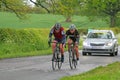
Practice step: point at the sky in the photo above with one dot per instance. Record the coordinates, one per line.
(28, 1)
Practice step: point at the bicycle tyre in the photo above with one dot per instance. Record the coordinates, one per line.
(71, 58)
(74, 60)
(54, 61)
(59, 59)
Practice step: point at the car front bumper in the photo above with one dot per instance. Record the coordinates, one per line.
(98, 49)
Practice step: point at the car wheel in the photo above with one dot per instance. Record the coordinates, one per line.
(112, 54)
(89, 53)
(84, 53)
(116, 53)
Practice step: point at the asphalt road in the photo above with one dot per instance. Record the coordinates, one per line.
(39, 68)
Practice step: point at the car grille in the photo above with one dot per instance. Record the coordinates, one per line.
(93, 44)
(98, 50)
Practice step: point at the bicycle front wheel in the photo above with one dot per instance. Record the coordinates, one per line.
(54, 61)
(71, 59)
(74, 60)
(59, 60)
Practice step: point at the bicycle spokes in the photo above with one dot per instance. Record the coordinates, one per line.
(57, 60)
(72, 59)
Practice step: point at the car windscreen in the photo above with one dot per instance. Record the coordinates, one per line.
(102, 35)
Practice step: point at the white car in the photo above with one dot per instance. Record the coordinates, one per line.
(100, 41)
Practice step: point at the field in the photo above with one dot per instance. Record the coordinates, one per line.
(9, 20)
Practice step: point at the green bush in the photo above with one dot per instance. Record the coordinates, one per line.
(116, 30)
(22, 40)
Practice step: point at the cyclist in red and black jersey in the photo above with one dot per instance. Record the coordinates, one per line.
(59, 35)
(74, 32)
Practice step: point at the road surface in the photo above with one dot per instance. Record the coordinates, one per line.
(39, 67)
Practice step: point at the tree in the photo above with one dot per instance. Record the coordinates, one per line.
(67, 8)
(49, 5)
(16, 6)
(64, 7)
(108, 7)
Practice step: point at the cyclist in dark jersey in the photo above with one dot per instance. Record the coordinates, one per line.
(74, 36)
(59, 36)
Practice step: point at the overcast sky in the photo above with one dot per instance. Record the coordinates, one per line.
(30, 2)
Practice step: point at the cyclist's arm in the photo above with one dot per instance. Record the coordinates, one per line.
(77, 36)
(62, 31)
(64, 37)
(51, 33)
(66, 34)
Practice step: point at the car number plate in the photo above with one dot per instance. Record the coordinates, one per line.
(96, 47)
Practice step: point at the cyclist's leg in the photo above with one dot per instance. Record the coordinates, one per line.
(62, 50)
(77, 52)
(69, 42)
(53, 45)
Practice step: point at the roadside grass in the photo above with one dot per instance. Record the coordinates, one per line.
(26, 54)
(23, 42)
(9, 20)
(109, 72)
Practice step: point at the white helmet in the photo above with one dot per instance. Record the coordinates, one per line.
(57, 26)
(72, 26)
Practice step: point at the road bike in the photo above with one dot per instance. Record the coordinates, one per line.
(72, 56)
(56, 59)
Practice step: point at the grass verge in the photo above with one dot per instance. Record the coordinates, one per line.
(109, 72)
(26, 54)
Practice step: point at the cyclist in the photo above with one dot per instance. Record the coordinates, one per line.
(59, 36)
(74, 38)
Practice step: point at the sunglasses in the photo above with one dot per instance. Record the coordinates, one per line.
(71, 29)
(56, 29)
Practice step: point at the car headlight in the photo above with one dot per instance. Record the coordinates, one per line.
(85, 44)
(109, 44)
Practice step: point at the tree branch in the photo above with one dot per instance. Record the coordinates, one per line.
(40, 4)
(17, 14)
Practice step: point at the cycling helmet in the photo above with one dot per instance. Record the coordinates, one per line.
(57, 26)
(72, 26)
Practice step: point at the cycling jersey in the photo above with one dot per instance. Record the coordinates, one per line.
(59, 36)
(75, 35)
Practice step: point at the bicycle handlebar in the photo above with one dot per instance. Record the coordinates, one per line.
(54, 42)
(73, 35)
